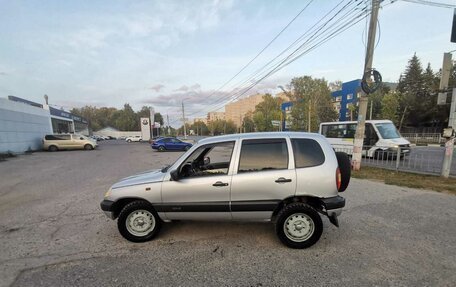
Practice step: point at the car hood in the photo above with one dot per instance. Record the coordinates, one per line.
(142, 178)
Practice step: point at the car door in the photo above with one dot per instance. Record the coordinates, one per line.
(202, 193)
(264, 176)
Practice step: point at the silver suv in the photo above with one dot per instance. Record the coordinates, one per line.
(288, 178)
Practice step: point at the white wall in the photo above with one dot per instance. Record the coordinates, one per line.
(22, 127)
(116, 134)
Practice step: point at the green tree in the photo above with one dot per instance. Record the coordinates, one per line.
(248, 123)
(200, 128)
(266, 112)
(375, 100)
(312, 103)
(390, 105)
(219, 127)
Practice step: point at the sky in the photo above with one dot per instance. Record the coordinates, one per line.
(160, 53)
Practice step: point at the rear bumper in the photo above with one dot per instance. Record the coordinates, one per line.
(336, 202)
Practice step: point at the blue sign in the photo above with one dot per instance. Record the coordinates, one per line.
(64, 114)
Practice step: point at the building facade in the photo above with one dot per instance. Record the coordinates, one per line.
(23, 124)
(238, 110)
(214, 116)
(345, 100)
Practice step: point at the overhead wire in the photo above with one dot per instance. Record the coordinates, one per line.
(341, 24)
(246, 83)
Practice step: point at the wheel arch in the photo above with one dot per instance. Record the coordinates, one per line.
(315, 202)
(122, 202)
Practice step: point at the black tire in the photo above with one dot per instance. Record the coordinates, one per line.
(140, 140)
(186, 148)
(345, 170)
(128, 141)
(88, 147)
(53, 148)
(131, 208)
(161, 148)
(312, 215)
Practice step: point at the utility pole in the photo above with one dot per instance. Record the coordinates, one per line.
(183, 119)
(443, 88)
(359, 136)
(167, 119)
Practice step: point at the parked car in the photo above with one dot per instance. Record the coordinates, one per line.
(133, 139)
(287, 178)
(68, 141)
(121, 137)
(152, 140)
(170, 144)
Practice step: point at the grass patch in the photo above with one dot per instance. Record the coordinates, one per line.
(432, 182)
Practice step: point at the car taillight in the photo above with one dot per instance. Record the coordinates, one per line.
(338, 178)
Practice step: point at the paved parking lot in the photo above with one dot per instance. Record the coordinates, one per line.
(52, 233)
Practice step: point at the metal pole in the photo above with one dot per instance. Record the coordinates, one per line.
(370, 114)
(308, 124)
(359, 136)
(183, 119)
(167, 119)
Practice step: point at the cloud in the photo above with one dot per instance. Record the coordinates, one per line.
(183, 88)
(157, 88)
(3, 74)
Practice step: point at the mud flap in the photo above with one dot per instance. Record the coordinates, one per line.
(333, 219)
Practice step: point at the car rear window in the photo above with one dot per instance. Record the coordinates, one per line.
(264, 154)
(307, 153)
(57, 137)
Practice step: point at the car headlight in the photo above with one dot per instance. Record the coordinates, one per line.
(108, 193)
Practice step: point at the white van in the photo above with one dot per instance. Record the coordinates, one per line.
(379, 136)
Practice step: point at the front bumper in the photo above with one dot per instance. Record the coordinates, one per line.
(108, 208)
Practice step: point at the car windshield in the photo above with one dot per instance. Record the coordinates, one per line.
(165, 169)
(388, 131)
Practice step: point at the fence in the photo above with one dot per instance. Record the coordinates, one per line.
(425, 160)
(424, 138)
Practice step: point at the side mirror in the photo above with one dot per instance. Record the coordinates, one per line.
(174, 175)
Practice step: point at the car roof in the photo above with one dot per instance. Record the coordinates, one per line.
(354, 122)
(259, 135)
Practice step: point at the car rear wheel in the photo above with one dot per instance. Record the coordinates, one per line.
(88, 147)
(129, 141)
(186, 148)
(138, 222)
(53, 148)
(299, 225)
(161, 148)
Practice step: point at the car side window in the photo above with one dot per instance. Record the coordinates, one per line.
(307, 153)
(263, 154)
(208, 160)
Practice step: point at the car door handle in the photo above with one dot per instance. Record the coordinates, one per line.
(219, 183)
(283, 180)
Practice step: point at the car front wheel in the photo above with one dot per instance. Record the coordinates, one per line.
(161, 148)
(88, 147)
(138, 222)
(299, 225)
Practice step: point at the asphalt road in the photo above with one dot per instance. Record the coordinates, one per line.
(52, 233)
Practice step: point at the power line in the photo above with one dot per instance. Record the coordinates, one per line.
(262, 50)
(239, 88)
(431, 3)
(316, 39)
